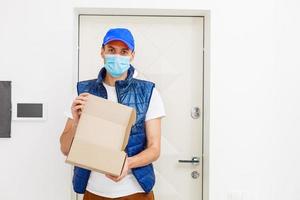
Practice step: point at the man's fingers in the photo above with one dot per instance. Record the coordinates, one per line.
(84, 94)
(114, 178)
(77, 107)
(111, 176)
(81, 98)
(76, 102)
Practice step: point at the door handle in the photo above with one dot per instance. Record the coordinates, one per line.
(194, 160)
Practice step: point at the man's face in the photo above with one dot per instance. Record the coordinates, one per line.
(117, 48)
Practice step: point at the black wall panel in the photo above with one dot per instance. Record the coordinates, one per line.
(5, 109)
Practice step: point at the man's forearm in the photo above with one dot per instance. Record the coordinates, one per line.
(67, 138)
(145, 157)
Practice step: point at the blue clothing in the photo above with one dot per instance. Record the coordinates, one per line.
(134, 93)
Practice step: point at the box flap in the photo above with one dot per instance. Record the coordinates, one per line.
(100, 132)
(96, 158)
(111, 119)
(109, 110)
(131, 121)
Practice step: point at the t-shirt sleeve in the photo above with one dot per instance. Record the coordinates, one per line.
(68, 112)
(156, 107)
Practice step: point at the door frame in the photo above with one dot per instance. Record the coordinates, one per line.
(206, 66)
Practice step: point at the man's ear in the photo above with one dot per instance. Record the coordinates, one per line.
(102, 53)
(132, 56)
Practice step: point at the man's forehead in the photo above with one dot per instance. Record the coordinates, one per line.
(117, 43)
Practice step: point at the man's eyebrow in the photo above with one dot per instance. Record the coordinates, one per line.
(108, 46)
(125, 48)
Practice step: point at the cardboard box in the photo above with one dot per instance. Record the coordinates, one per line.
(101, 137)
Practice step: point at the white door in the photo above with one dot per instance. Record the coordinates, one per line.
(169, 52)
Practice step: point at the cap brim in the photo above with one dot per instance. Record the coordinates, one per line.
(114, 39)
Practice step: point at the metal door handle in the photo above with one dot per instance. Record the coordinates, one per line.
(195, 160)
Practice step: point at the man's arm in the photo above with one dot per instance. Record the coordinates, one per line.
(152, 152)
(149, 155)
(67, 136)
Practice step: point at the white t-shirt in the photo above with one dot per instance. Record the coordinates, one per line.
(98, 183)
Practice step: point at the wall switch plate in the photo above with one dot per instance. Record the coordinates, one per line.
(29, 110)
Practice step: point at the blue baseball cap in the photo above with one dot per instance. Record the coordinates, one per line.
(121, 34)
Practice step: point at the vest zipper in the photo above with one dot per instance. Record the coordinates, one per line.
(117, 91)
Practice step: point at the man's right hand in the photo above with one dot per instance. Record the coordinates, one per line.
(78, 105)
(67, 136)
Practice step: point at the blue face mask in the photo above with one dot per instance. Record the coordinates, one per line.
(116, 65)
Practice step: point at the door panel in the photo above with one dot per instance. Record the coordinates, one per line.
(169, 53)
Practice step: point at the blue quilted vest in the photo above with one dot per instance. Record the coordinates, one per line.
(134, 93)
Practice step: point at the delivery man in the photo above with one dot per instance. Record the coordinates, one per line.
(117, 81)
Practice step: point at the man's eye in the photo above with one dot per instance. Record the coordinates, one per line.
(124, 52)
(110, 50)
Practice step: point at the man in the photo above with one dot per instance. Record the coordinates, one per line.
(117, 81)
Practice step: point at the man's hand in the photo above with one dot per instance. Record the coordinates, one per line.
(124, 172)
(78, 105)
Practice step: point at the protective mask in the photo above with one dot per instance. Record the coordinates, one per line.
(116, 65)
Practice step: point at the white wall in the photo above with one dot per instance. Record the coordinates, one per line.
(254, 95)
